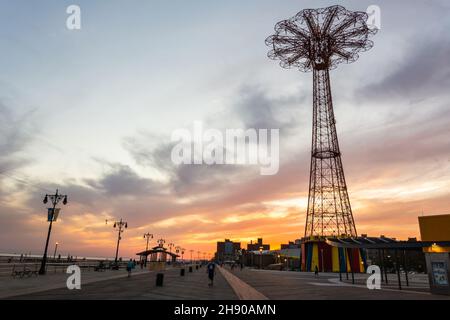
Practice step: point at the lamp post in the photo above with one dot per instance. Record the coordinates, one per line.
(170, 245)
(55, 199)
(120, 225)
(260, 257)
(54, 253)
(192, 251)
(161, 245)
(147, 236)
(177, 250)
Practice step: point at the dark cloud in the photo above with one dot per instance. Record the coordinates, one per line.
(424, 73)
(14, 138)
(259, 111)
(253, 109)
(121, 180)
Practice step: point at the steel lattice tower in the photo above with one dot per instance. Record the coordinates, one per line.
(318, 40)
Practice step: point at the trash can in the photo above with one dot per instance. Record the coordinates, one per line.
(190, 269)
(159, 279)
(182, 272)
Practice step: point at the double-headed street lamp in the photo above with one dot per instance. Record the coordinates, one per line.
(147, 236)
(170, 245)
(55, 199)
(120, 225)
(161, 242)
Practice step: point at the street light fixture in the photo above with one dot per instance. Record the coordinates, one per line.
(55, 199)
(191, 251)
(260, 256)
(56, 247)
(120, 225)
(161, 242)
(147, 236)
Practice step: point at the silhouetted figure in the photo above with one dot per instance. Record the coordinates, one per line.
(316, 271)
(211, 270)
(130, 266)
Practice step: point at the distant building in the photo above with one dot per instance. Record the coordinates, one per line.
(257, 245)
(292, 245)
(227, 250)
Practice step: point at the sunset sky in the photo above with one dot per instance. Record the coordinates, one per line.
(91, 112)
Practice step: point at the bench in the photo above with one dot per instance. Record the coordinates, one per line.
(100, 268)
(24, 272)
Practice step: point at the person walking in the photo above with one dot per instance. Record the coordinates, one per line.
(316, 271)
(211, 270)
(130, 266)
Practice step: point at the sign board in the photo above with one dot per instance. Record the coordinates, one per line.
(439, 273)
(52, 215)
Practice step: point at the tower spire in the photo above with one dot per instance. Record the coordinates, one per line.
(318, 40)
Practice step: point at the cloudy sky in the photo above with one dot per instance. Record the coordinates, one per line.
(91, 112)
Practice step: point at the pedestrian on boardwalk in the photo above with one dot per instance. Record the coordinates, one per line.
(316, 271)
(211, 270)
(130, 266)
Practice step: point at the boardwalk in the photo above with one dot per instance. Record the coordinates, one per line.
(247, 284)
(193, 286)
(280, 285)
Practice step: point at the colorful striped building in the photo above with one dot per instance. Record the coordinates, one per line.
(327, 258)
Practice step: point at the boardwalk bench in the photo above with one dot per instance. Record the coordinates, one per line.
(100, 267)
(24, 272)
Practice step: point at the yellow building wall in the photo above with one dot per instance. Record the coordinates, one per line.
(435, 228)
(315, 257)
(335, 258)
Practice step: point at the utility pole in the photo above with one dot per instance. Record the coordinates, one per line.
(55, 199)
(120, 225)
